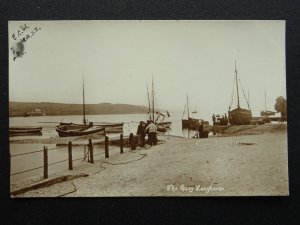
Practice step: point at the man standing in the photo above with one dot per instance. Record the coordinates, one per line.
(151, 128)
(141, 133)
(200, 129)
(213, 119)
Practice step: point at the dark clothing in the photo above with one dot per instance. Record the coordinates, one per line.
(214, 119)
(200, 130)
(142, 134)
(152, 138)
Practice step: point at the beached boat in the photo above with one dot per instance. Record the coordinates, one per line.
(156, 116)
(25, 130)
(189, 122)
(239, 116)
(266, 113)
(71, 129)
(112, 127)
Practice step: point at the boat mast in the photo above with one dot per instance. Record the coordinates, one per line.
(187, 105)
(152, 100)
(237, 86)
(149, 104)
(84, 120)
(265, 101)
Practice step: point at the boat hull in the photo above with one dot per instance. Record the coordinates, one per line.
(239, 116)
(190, 123)
(25, 130)
(78, 130)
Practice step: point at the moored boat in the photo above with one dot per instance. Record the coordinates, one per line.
(25, 130)
(189, 122)
(239, 116)
(71, 129)
(79, 130)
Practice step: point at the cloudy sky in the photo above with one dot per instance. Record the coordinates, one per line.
(119, 58)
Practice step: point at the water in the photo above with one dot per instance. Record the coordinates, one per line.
(29, 161)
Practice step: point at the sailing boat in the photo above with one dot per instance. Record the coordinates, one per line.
(157, 117)
(189, 122)
(195, 111)
(71, 129)
(239, 116)
(266, 112)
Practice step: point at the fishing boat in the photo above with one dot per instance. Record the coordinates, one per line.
(156, 116)
(72, 129)
(112, 127)
(189, 122)
(239, 116)
(25, 130)
(266, 113)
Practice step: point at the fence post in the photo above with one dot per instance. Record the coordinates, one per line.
(131, 140)
(121, 143)
(106, 147)
(91, 150)
(45, 162)
(70, 156)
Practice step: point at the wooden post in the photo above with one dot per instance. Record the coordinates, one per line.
(70, 156)
(45, 162)
(106, 147)
(121, 143)
(131, 140)
(91, 150)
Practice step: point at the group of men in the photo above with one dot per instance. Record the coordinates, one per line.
(147, 128)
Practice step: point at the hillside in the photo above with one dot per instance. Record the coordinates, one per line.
(52, 109)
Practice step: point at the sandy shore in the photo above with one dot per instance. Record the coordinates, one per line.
(244, 161)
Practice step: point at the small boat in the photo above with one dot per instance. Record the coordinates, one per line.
(112, 127)
(71, 129)
(25, 130)
(189, 122)
(266, 113)
(159, 120)
(239, 116)
(79, 130)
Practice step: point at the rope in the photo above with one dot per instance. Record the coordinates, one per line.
(26, 153)
(27, 170)
(75, 189)
(58, 162)
(244, 94)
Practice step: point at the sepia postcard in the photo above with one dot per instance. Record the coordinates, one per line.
(147, 108)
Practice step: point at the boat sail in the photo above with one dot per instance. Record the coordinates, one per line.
(189, 122)
(71, 129)
(156, 116)
(239, 116)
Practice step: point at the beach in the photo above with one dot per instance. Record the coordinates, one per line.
(250, 160)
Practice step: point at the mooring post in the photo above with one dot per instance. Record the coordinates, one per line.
(70, 155)
(121, 143)
(91, 151)
(106, 147)
(45, 162)
(131, 140)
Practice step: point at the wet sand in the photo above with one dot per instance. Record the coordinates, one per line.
(244, 161)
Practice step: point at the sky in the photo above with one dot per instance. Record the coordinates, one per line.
(119, 58)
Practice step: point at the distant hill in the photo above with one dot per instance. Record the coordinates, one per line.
(53, 109)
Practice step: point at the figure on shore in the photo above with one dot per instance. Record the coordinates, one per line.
(200, 129)
(214, 119)
(141, 133)
(226, 119)
(151, 130)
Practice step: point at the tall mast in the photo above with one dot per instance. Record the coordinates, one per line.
(265, 101)
(187, 105)
(84, 120)
(152, 100)
(149, 104)
(237, 86)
